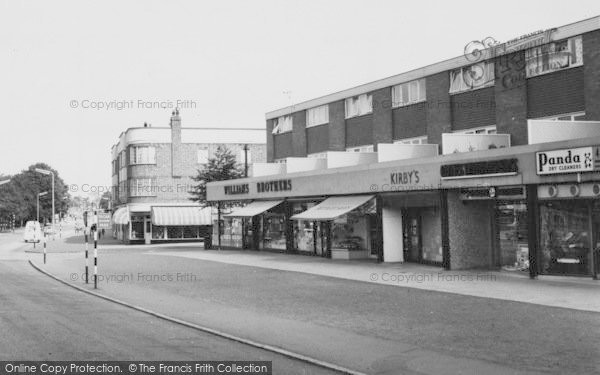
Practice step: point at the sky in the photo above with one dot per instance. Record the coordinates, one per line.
(75, 74)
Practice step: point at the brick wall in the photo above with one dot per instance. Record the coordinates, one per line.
(469, 233)
(591, 72)
(555, 93)
(317, 138)
(473, 108)
(439, 117)
(511, 97)
(359, 131)
(270, 141)
(283, 145)
(337, 126)
(382, 116)
(410, 121)
(299, 133)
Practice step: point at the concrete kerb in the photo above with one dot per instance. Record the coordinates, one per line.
(273, 349)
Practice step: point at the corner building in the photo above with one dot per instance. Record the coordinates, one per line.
(484, 161)
(152, 176)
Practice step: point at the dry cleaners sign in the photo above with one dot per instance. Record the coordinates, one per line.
(572, 160)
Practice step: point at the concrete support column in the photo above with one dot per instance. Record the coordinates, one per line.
(393, 236)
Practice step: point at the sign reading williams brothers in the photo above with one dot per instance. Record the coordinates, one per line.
(261, 187)
(572, 160)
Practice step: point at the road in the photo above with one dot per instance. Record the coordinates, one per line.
(41, 319)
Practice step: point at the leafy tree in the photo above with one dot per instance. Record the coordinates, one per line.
(19, 196)
(222, 166)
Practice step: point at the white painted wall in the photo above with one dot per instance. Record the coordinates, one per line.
(266, 169)
(294, 164)
(397, 151)
(541, 131)
(453, 142)
(338, 159)
(393, 241)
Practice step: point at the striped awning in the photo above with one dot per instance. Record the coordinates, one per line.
(254, 208)
(121, 216)
(181, 215)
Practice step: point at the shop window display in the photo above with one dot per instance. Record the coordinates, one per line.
(352, 231)
(274, 230)
(304, 239)
(565, 238)
(232, 232)
(513, 248)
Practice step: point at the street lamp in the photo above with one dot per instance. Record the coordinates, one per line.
(47, 172)
(38, 204)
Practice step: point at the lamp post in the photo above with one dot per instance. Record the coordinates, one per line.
(47, 172)
(38, 204)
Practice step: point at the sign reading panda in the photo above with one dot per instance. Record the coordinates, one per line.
(572, 160)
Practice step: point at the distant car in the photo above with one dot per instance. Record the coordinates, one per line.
(48, 230)
(33, 231)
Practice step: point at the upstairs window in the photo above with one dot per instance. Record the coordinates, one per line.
(554, 56)
(422, 140)
(282, 124)
(472, 77)
(366, 148)
(142, 155)
(408, 93)
(317, 116)
(491, 129)
(359, 105)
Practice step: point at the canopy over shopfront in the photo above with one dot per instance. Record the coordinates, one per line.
(254, 208)
(333, 207)
(181, 215)
(121, 216)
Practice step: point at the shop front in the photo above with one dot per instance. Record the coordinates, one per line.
(259, 225)
(339, 228)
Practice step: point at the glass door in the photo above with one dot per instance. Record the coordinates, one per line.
(412, 237)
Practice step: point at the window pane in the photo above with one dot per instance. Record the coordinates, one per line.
(405, 93)
(414, 91)
(422, 90)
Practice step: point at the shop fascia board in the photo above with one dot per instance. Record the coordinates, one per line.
(526, 175)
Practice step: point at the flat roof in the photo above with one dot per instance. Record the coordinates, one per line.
(566, 31)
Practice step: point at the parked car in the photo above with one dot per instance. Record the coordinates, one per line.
(33, 231)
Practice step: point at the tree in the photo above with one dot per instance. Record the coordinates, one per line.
(19, 196)
(222, 166)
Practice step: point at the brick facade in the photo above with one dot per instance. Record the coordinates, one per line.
(591, 72)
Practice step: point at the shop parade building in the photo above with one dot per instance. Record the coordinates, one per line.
(485, 161)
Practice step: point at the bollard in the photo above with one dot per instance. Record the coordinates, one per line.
(95, 260)
(44, 248)
(86, 259)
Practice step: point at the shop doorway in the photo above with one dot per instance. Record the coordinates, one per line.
(321, 238)
(413, 247)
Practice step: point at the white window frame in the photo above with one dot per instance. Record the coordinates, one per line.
(317, 116)
(280, 161)
(416, 91)
(490, 129)
(562, 117)
(573, 55)
(283, 124)
(459, 77)
(422, 140)
(358, 105)
(364, 148)
(203, 156)
(317, 155)
(145, 154)
(142, 187)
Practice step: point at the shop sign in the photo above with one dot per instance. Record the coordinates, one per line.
(405, 178)
(271, 186)
(236, 189)
(572, 160)
(477, 169)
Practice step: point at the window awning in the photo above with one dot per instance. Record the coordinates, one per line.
(181, 215)
(121, 216)
(333, 207)
(253, 209)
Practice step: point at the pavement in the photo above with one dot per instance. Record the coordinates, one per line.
(407, 320)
